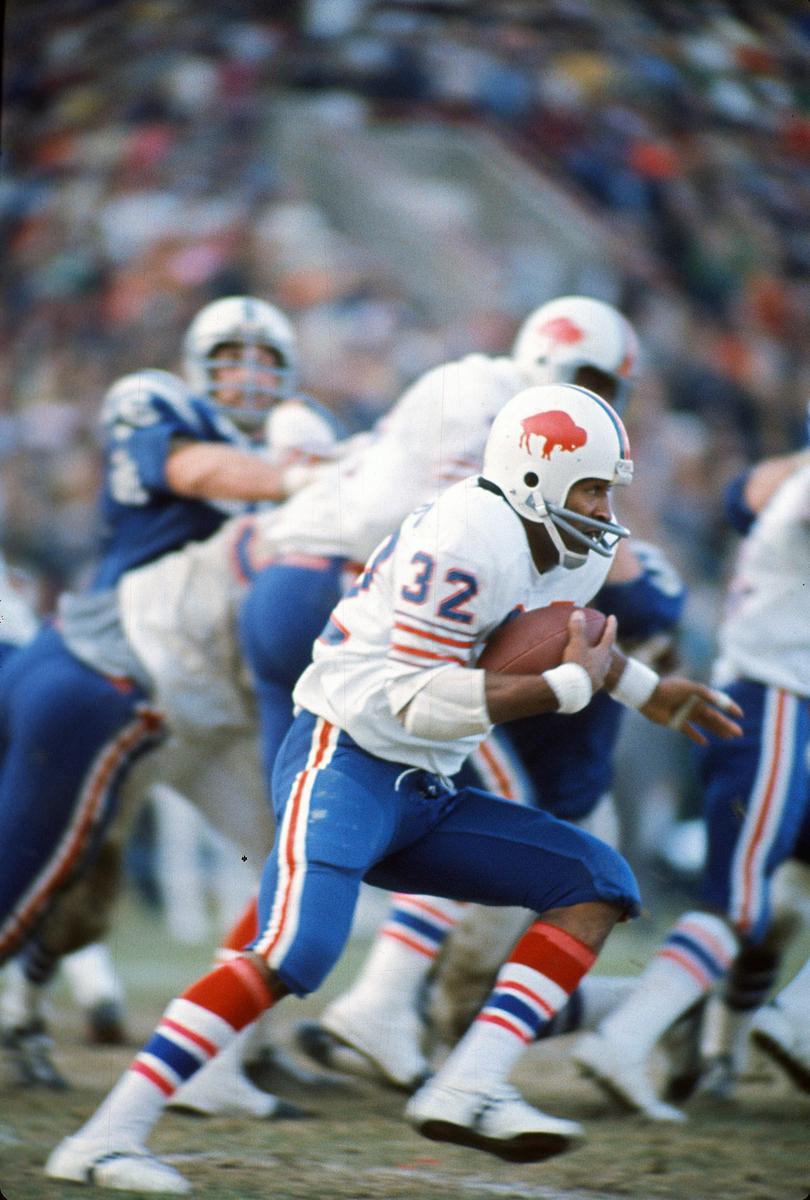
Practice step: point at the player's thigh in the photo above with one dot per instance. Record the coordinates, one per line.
(493, 852)
(337, 813)
(284, 612)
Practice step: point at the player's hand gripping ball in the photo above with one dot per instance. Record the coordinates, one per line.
(535, 641)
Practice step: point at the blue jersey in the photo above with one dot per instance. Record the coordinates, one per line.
(144, 415)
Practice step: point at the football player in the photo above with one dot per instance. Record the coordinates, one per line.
(389, 709)
(75, 709)
(732, 1013)
(757, 813)
(562, 764)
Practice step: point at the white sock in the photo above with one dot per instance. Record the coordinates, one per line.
(697, 954)
(186, 1037)
(126, 1117)
(91, 976)
(602, 995)
(404, 950)
(794, 999)
(22, 1001)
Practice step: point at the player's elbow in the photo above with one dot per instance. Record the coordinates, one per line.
(451, 705)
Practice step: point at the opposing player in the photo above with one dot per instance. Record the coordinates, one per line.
(75, 710)
(755, 801)
(389, 709)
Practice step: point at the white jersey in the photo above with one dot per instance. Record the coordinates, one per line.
(765, 633)
(179, 612)
(433, 437)
(429, 598)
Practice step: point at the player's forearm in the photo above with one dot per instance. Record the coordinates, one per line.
(211, 471)
(457, 702)
(509, 697)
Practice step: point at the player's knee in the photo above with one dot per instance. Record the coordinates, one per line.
(308, 963)
(270, 977)
(590, 923)
(613, 881)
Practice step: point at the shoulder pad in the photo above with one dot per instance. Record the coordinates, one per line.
(141, 398)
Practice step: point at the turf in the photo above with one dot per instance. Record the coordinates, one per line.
(359, 1147)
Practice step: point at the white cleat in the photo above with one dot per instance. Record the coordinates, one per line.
(212, 1093)
(783, 1040)
(76, 1160)
(387, 1040)
(623, 1076)
(499, 1122)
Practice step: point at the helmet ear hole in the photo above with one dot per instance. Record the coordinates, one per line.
(530, 479)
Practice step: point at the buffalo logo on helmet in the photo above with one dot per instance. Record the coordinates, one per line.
(556, 428)
(562, 331)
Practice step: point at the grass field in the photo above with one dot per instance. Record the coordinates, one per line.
(359, 1148)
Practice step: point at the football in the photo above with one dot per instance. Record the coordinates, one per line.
(534, 641)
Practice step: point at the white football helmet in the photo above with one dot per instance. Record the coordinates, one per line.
(572, 332)
(542, 442)
(244, 321)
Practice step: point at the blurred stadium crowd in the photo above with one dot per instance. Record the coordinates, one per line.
(139, 182)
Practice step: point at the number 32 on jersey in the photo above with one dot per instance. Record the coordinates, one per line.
(455, 592)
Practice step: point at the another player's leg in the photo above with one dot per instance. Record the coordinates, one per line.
(71, 735)
(782, 1029)
(99, 992)
(376, 1024)
(745, 846)
(694, 956)
(27, 1046)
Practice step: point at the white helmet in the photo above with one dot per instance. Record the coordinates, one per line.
(571, 332)
(542, 442)
(245, 321)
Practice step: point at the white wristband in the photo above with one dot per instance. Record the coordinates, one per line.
(572, 686)
(637, 683)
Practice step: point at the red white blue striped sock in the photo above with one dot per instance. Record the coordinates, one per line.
(696, 954)
(540, 974)
(193, 1029)
(421, 923)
